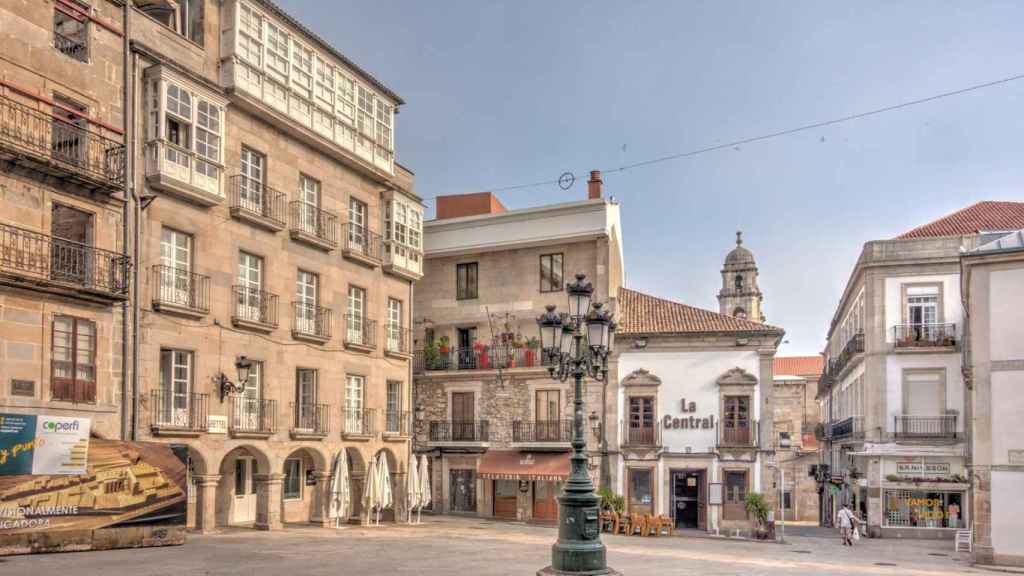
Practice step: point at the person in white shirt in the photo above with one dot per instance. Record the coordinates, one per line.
(847, 523)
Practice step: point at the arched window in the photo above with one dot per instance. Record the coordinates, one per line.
(738, 281)
(740, 313)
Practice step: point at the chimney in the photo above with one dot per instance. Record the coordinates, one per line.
(594, 185)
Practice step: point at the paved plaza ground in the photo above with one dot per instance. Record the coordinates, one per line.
(444, 545)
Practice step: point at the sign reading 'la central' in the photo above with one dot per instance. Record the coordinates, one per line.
(688, 421)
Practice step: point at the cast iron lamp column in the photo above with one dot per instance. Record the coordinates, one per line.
(579, 549)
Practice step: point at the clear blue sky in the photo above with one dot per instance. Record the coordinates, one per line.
(504, 93)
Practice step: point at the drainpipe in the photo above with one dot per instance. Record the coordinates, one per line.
(126, 102)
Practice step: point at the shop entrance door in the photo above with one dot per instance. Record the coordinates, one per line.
(545, 506)
(688, 500)
(462, 484)
(505, 499)
(244, 509)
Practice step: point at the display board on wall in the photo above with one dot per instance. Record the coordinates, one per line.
(41, 444)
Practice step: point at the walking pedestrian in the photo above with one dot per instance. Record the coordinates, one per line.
(847, 523)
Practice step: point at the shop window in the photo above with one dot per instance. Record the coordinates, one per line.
(292, 479)
(924, 509)
(641, 495)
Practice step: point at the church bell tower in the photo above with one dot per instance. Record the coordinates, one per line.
(740, 296)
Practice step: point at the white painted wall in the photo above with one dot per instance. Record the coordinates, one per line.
(895, 364)
(952, 311)
(1007, 512)
(1006, 318)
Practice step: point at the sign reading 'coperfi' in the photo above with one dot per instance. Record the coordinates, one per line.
(31, 444)
(688, 421)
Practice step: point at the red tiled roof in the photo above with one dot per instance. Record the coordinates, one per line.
(639, 313)
(988, 215)
(798, 365)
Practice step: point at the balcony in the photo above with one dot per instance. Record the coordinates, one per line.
(397, 425)
(36, 261)
(174, 414)
(925, 427)
(501, 356)
(359, 424)
(848, 428)
(254, 309)
(460, 434)
(360, 245)
(360, 333)
(853, 349)
(918, 336)
(309, 224)
(398, 341)
(256, 203)
(542, 434)
(51, 146)
(741, 435)
(252, 417)
(639, 436)
(311, 322)
(310, 421)
(403, 261)
(177, 291)
(180, 172)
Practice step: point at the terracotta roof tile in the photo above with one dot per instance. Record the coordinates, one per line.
(640, 313)
(798, 365)
(988, 215)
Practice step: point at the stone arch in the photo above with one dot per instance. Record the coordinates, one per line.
(304, 485)
(237, 498)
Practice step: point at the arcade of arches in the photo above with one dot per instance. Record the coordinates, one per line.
(248, 486)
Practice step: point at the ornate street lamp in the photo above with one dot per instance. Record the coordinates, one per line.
(578, 345)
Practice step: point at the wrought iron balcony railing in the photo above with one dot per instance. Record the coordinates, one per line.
(34, 258)
(480, 358)
(912, 427)
(72, 47)
(397, 423)
(359, 422)
(359, 242)
(637, 434)
(255, 306)
(59, 147)
(311, 419)
(538, 431)
(924, 335)
(459, 431)
(170, 410)
(310, 223)
(177, 288)
(360, 331)
(311, 320)
(255, 201)
(253, 416)
(742, 434)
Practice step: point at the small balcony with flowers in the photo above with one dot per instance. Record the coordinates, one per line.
(184, 146)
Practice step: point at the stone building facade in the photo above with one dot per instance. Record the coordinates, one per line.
(64, 273)
(994, 366)
(694, 403)
(495, 425)
(796, 445)
(893, 395)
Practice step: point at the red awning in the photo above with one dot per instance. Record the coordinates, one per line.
(513, 465)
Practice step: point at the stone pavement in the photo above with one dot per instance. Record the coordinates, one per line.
(446, 546)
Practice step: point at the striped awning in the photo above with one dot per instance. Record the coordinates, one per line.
(514, 465)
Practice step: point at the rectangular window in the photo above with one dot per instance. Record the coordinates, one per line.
(292, 479)
(735, 495)
(466, 280)
(551, 273)
(924, 509)
(641, 494)
(73, 360)
(71, 32)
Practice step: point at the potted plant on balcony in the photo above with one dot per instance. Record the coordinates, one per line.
(483, 353)
(531, 351)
